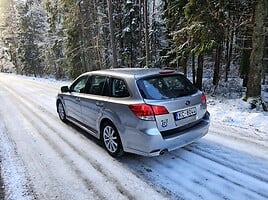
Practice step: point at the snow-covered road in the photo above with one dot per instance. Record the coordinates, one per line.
(43, 158)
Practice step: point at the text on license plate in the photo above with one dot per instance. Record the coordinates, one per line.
(185, 113)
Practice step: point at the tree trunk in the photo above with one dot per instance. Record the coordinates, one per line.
(110, 14)
(256, 57)
(153, 37)
(140, 53)
(146, 34)
(229, 54)
(216, 75)
(105, 35)
(82, 38)
(199, 72)
(120, 27)
(184, 65)
(193, 68)
(244, 65)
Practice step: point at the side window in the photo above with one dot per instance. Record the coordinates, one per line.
(98, 85)
(79, 85)
(119, 88)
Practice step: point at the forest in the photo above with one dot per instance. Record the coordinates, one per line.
(215, 40)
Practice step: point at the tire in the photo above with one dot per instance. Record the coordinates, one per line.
(111, 140)
(61, 112)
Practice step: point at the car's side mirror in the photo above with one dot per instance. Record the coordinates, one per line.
(64, 89)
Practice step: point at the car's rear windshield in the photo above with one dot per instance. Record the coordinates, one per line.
(165, 87)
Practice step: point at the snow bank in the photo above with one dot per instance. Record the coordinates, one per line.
(236, 112)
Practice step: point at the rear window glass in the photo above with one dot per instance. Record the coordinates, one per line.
(165, 87)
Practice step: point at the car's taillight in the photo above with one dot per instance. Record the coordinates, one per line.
(142, 111)
(147, 112)
(159, 110)
(203, 98)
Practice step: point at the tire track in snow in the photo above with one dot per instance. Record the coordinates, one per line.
(94, 163)
(201, 162)
(191, 176)
(196, 181)
(260, 174)
(121, 189)
(71, 163)
(168, 178)
(25, 112)
(16, 183)
(245, 137)
(29, 126)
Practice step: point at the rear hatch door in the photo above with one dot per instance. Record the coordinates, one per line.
(177, 94)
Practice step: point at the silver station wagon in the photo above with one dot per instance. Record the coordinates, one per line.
(137, 110)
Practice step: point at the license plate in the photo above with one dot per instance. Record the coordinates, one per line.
(182, 114)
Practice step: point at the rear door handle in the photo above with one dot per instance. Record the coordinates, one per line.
(77, 99)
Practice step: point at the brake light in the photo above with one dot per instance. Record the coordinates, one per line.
(147, 112)
(142, 111)
(203, 98)
(167, 71)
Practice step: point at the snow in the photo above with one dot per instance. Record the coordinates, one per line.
(47, 80)
(43, 158)
(236, 112)
(126, 30)
(13, 171)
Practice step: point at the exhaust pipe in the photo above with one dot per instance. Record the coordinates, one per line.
(163, 152)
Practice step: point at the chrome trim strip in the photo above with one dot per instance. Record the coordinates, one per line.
(95, 134)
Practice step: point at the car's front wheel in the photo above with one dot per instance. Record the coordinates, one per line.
(111, 140)
(61, 111)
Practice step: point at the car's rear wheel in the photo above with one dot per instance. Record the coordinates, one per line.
(61, 112)
(111, 140)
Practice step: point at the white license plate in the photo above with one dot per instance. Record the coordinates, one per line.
(182, 114)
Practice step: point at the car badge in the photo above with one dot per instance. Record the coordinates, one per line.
(164, 123)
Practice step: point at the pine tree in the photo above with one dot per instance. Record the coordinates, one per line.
(175, 20)
(9, 33)
(157, 35)
(55, 40)
(200, 32)
(31, 33)
(130, 34)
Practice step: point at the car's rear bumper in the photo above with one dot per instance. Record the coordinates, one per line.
(152, 143)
